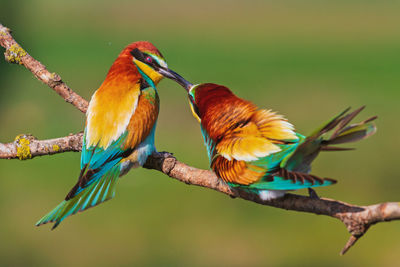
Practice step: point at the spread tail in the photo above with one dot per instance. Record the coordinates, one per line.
(325, 138)
(346, 133)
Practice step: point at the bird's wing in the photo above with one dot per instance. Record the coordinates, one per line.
(109, 113)
(265, 174)
(96, 160)
(236, 172)
(290, 180)
(256, 138)
(97, 163)
(239, 172)
(101, 164)
(108, 117)
(252, 149)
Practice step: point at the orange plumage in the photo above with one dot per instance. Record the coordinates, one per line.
(119, 134)
(113, 104)
(256, 149)
(240, 133)
(141, 124)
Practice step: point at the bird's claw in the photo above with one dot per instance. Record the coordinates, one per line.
(164, 154)
(312, 193)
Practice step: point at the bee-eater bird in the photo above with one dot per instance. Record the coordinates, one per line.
(258, 150)
(120, 126)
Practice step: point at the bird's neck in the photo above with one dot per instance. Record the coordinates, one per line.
(123, 70)
(147, 81)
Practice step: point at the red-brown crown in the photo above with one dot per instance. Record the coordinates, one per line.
(124, 65)
(143, 46)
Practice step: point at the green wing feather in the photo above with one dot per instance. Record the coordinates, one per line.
(91, 196)
(283, 183)
(294, 160)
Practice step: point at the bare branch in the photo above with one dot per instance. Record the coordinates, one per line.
(16, 54)
(357, 219)
(27, 146)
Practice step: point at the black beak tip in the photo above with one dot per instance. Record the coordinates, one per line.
(176, 77)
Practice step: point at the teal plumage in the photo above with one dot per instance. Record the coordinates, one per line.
(100, 168)
(288, 168)
(119, 132)
(258, 150)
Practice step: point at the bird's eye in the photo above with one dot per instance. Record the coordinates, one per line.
(149, 59)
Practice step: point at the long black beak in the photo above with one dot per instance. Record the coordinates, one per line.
(176, 77)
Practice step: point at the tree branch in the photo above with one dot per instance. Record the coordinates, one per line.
(27, 146)
(357, 219)
(16, 54)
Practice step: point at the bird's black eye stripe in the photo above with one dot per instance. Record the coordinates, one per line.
(139, 55)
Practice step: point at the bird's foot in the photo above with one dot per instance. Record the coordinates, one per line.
(163, 154)
(312, 193)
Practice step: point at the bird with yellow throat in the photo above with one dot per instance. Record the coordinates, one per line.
(120, 126)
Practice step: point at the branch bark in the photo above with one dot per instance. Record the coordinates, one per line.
(27, 146)
(357, 219)
(16, 54)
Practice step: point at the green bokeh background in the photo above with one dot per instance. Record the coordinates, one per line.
(307, 60)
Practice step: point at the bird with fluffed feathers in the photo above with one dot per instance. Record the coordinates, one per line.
(249, 148)
(257, 149)
(119, 132)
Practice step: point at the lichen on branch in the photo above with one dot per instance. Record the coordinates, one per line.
(14, 54)
(23, 149)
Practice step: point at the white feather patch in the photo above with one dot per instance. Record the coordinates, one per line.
(267, 195)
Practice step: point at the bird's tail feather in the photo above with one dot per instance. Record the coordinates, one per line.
(326, 137)
(94, 194)
(291, 180)
(343, 131)
(350, 133)
(281, 183)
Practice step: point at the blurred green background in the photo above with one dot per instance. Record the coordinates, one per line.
(308, 60)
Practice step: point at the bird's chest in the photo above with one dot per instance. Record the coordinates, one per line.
(150, 95)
